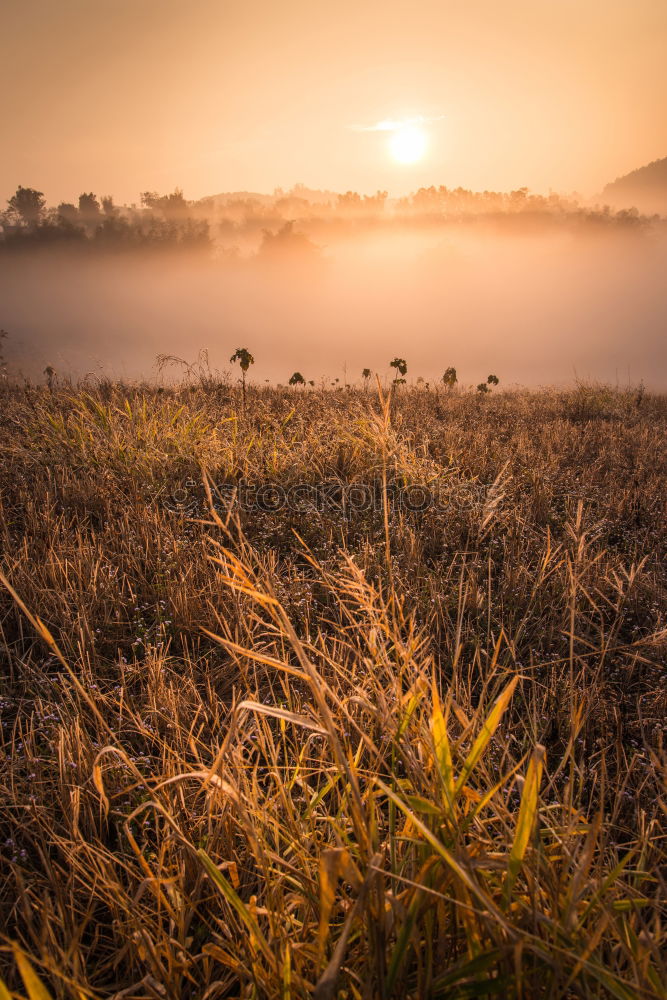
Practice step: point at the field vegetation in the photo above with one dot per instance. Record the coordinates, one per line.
(277, 750)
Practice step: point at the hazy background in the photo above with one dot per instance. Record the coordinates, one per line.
(127, 96)
(118, 96)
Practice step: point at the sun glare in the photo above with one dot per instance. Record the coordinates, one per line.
(408, 144)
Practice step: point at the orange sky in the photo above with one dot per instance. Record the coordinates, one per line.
(119, 96)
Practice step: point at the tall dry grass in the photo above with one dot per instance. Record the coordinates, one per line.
(384, 754)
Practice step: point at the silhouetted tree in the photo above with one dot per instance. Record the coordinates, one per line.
(108, 207)
(89, 209)
(68, 213)
(26, 206)
(172, 206)
(149, 199)
(449, 378)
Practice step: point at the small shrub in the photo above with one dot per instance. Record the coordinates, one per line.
(401, 366)
(245, 359)
(449, 378)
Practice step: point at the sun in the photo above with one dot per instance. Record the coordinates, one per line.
(408, 144)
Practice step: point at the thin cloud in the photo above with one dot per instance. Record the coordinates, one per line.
(393, 125)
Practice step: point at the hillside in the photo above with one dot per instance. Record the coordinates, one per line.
(645, 189)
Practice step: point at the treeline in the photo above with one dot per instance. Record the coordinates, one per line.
(245, 210)
(161, 222)
(264, 225)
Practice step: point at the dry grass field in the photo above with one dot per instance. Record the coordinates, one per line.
(277, 748)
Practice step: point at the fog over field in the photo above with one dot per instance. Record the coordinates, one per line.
(537, 304)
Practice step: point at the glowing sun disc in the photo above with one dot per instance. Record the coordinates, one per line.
(408, 144)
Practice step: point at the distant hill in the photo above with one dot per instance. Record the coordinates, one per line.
(644, 189)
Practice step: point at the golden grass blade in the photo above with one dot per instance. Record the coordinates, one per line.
(99, 785)
(414, 699)
(34, 986)
(287, 974)
(281, 713)
(255, 656)
(443, 751)
(526, 819)
(488, 729)
(208, 777)
(333, 863)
